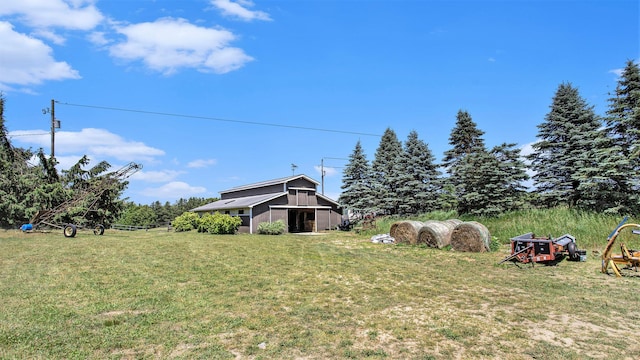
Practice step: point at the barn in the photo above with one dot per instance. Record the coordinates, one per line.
(294, 200)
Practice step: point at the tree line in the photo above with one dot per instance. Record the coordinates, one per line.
(158, 214)
(581, 160)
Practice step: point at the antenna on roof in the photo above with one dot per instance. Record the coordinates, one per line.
(293, 169)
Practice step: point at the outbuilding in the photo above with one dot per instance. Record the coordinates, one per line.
(294, 200)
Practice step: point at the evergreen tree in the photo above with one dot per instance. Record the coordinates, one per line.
(567, 144)
(491, 182)
(418, 177)
(479, 184)
(357, 187)
(619, 170)
(385, 172)
(465, 138)
(511, 170)
(623, 120)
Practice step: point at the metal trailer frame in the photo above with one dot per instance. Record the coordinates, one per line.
(46, 217)
(528, 248)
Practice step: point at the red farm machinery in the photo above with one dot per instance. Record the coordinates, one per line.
(530, 249)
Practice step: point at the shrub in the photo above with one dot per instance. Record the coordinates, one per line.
(219, 224)
(274, 228)
(186, 222)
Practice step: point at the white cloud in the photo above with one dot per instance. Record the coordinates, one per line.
(28, 61)
(74, 14)
(200, 163)
(527, 149)
(328, 171)
(156, 176)
(173, 190)
(97, 142)
(617, 72)
(49, 35)
(239, 9)
(167, 45)
(98, 38)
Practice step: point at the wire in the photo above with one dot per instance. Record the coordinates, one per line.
(27, 134)
(215, 119)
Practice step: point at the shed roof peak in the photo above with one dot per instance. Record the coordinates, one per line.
(283, 180)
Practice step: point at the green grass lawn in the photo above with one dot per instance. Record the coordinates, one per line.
(160, 294)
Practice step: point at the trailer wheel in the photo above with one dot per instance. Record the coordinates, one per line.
(573, 251)
(98, 230)
(70, 230)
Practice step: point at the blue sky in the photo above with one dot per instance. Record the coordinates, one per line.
(212, 94)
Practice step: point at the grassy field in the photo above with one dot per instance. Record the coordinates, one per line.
(160, 294)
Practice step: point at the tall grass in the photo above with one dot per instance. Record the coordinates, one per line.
(590, 229)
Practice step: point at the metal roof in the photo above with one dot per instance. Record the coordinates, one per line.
(239, 203)
(269, 183)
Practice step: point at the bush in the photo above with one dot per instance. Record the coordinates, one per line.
(186, 222)
(274, 228)
(219, 224)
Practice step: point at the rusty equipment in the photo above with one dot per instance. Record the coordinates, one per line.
(46, 218)
(528, 248)
(629, 258)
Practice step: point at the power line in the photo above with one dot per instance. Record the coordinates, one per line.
(27, 134)
(216, 119)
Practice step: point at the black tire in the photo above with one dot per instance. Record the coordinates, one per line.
(573, 251)
(98, 229)
(70, 230)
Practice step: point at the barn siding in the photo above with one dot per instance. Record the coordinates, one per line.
(272, 189)
(302, 202)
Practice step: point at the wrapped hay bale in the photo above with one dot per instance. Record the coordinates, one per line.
(470, 236)
(436, 234)
(406, 232)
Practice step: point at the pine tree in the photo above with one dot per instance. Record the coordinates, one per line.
(478, 184)
(357, 187)
(619, 170)
(511, 170)
(465, 138)
(385, 171)
(623, 120)
(567, 141)
(418, 177)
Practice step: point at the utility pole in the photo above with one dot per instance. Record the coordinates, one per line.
(323, 171)
(55, 124)
(53, 129)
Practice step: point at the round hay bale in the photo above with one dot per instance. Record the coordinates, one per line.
(470, 236)
(435, 234)
(392, 229)
(454, 222)
(406, 232)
